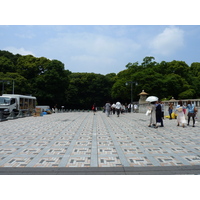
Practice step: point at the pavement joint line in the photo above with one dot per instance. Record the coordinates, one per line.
(36, 158)
(19, 150)
(26, 146)
(177, 156)
(140, 146)
(94, 151)
(64, 162)
(118, 148)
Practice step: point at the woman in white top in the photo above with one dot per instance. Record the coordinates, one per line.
(153, 115)
(180, 114)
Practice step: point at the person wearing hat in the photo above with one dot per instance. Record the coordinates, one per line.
(153, 115)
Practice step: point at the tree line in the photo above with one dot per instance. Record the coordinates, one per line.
(52, 84)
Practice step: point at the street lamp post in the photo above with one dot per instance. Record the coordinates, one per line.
(3, 81)
(8, 82)
(131, 82)
(13, 90)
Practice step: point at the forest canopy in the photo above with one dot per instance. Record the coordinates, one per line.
(52, 84)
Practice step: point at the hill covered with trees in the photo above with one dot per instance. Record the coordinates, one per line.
(52, 84)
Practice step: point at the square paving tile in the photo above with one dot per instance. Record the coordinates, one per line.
(56, 151)
(106, 150)
(109, 162)
(17, 162)
(79, 162)
(7, 151)
(48, 162)
(168, 161)
(193, 160)
(81, 151)
(30, 151)
(139, 161)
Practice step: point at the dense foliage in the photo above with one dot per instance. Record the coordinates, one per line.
(52, 84)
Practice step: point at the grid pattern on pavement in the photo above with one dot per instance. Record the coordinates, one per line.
(81, 139)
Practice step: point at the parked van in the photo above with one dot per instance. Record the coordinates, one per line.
(44, 108)
(16, 103)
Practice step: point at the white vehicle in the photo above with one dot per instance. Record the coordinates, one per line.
(16, 103)
(44, 108)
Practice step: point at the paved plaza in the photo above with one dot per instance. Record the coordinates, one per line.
(83, 143)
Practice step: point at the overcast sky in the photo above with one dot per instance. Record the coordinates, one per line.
(101, 48)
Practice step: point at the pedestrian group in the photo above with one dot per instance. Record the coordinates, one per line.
(156, 112)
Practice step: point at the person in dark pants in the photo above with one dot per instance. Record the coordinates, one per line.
(159, 117)
(118, 108)
(191, 112)
(170, 109)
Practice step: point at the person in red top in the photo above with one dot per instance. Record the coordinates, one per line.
(94, 108)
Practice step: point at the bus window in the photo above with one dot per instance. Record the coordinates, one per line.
(21, 103)
(4, 100)
(12, 101)
(34, 103)
(26, 104)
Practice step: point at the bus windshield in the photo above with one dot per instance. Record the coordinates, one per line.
(4, 101)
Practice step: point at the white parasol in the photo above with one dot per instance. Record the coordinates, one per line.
(152, 98)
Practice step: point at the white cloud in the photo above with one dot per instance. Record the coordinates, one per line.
(168, 42)
(86, 50)
(20, 51)
(26, 36)
(90, 63)
(90, 44)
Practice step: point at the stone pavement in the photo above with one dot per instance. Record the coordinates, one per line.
(83, 143)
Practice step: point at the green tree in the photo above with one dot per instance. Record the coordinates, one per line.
(88, 88)
(50, 86)
(13, 58)
(6, 65)
(27, 67)
(16, 82)
(120, 91)
(178, 67)
(187, 94)
(148, 62)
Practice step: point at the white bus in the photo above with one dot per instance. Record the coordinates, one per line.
(16, 103)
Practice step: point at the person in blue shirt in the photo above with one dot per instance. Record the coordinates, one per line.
(191, 112)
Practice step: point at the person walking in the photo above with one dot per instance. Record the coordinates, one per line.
(122, 109)
(191, 112)
(94, 108)
(135, 108)
(162, 109)
(153, 115)
(159, 117)
(170, 109)
(107, 108)
(118, 108)
(113, 108)
(130, 107)
(180, 114)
